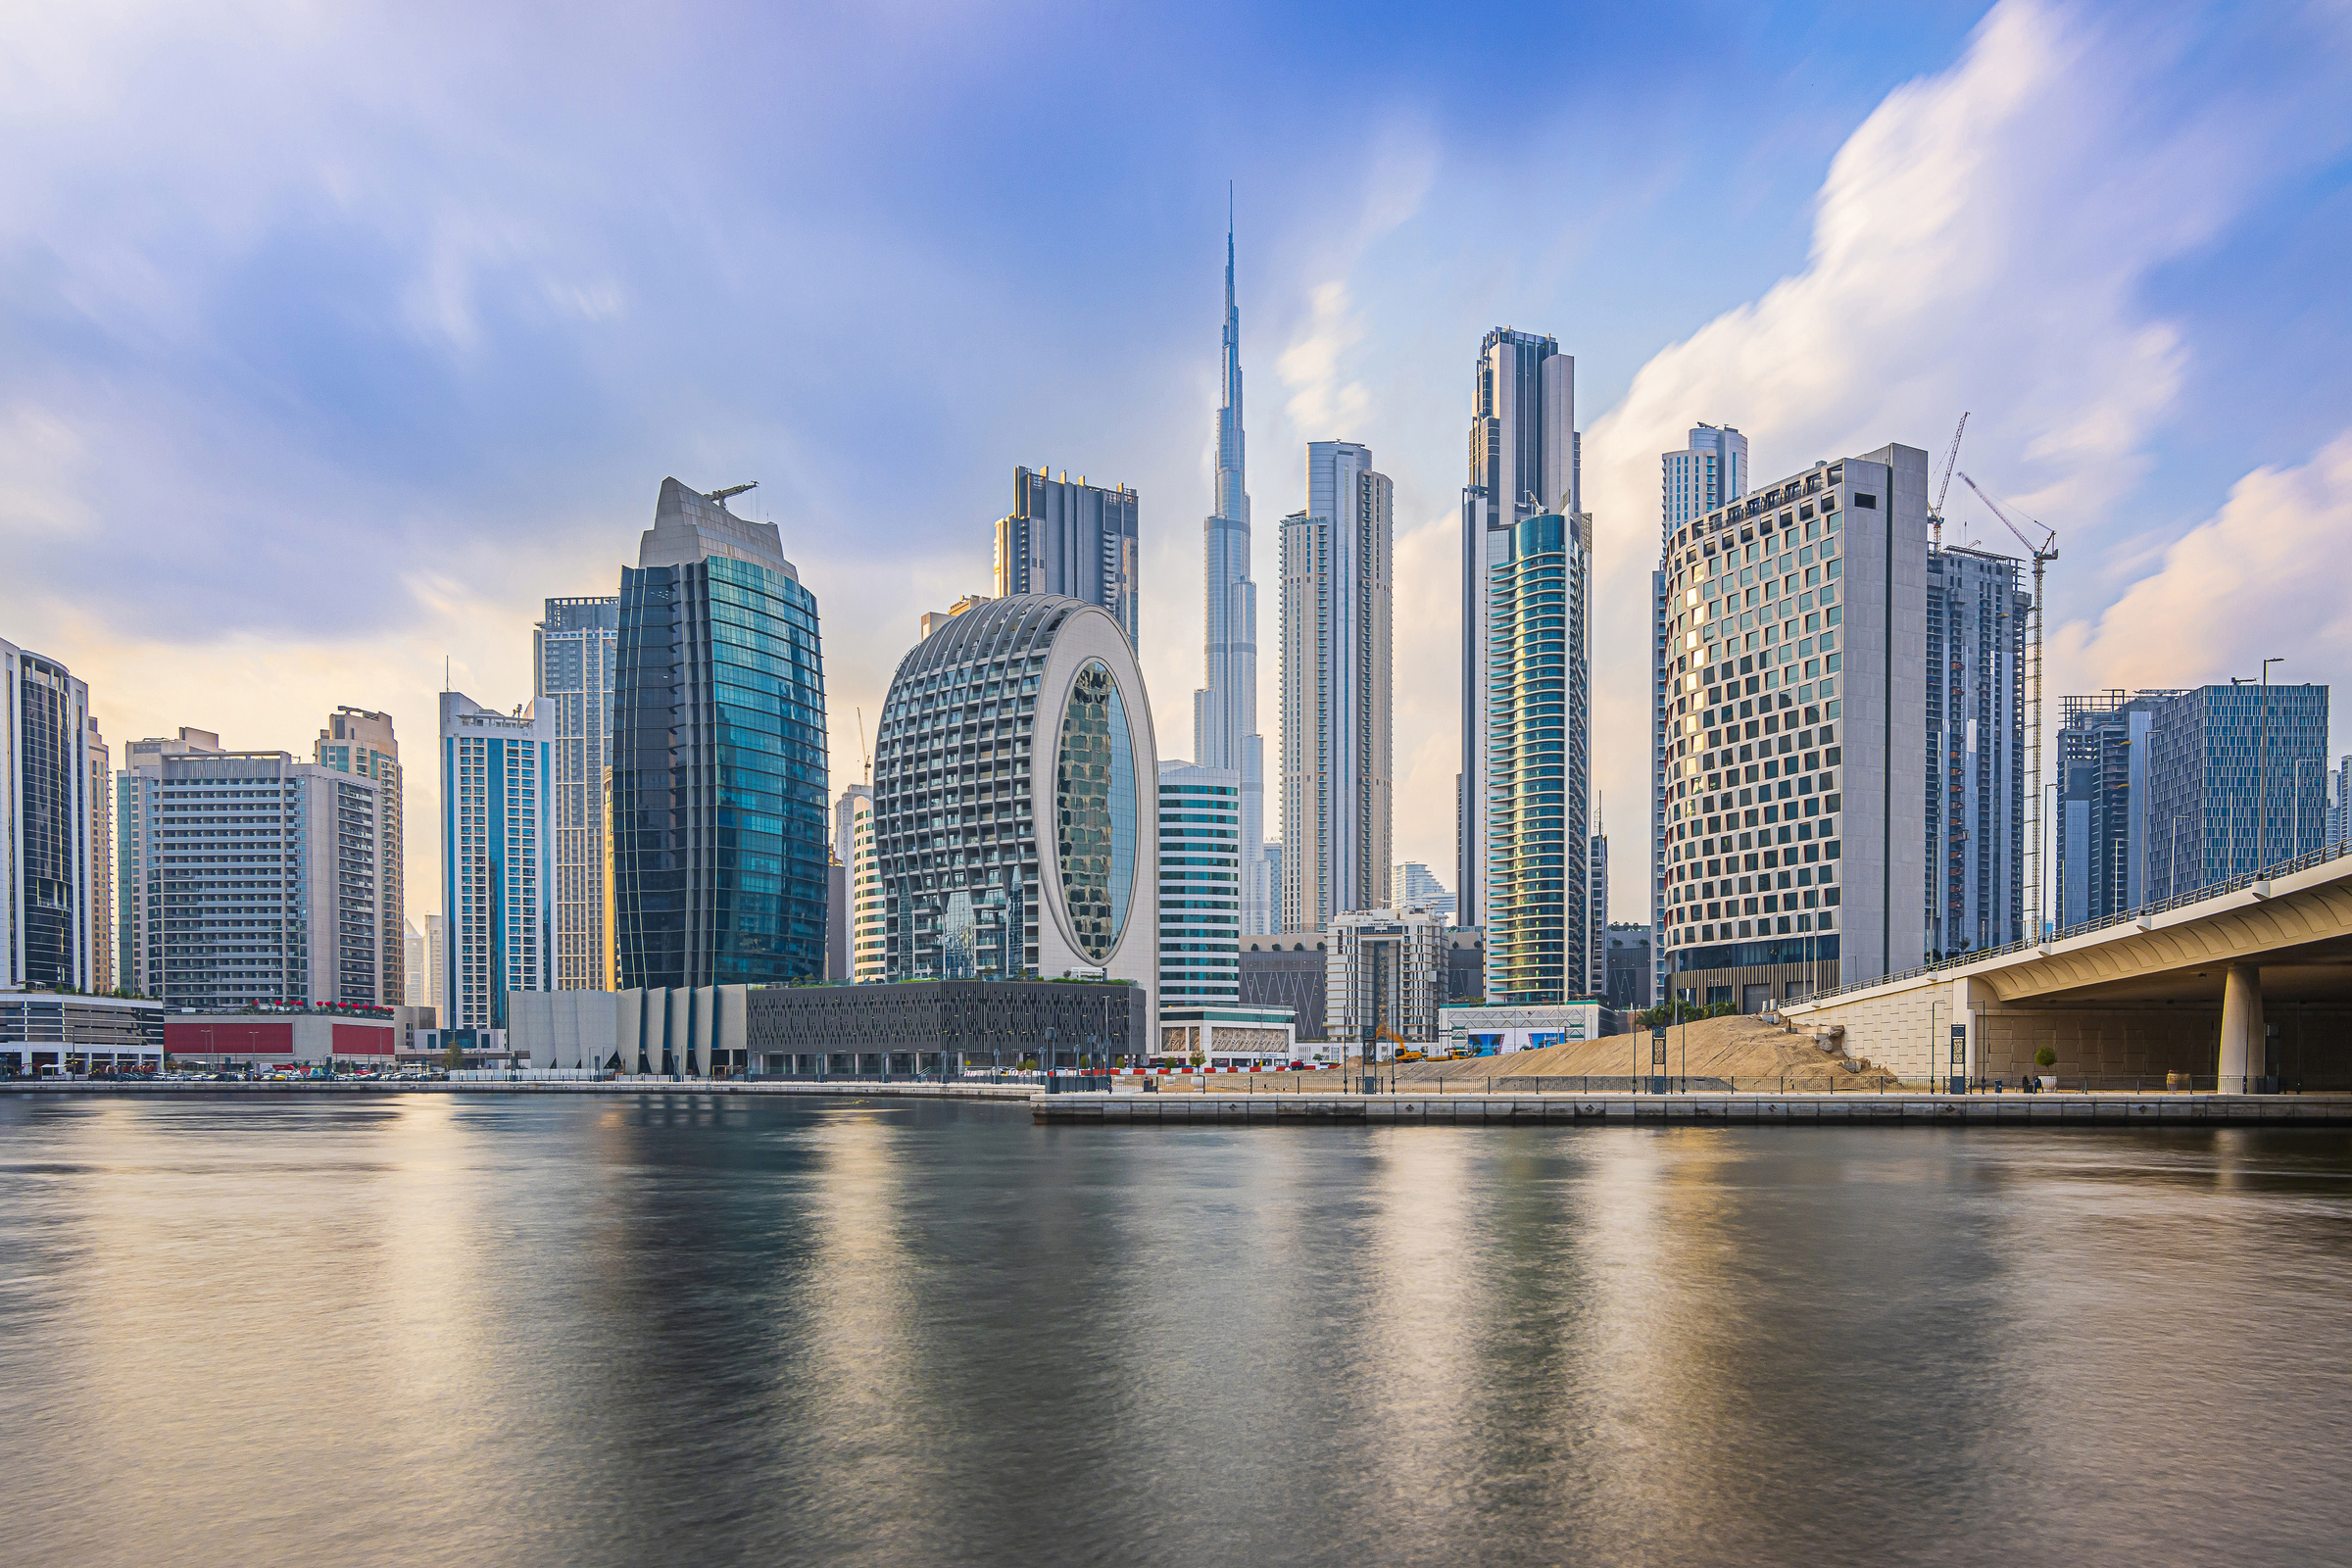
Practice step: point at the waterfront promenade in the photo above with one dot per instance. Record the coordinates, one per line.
(1407, 1108)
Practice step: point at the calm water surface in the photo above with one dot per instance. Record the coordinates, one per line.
(679, 1329)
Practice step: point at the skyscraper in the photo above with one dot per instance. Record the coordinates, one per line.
(1015, 820)
(1711, 471)
(415, 960)
(359, 741)
(1795, 823)
(436, 966)
(98, 804)
(868, 954)
(495, 896)
(2238, 780)
(1412, 887)
(853, 864)
(138, 917)
(1596, 915)
(250, 877)
(1199, 872)
(573, 652)
(718, 755)
(1225, 711)
(46, 855)
(1523, 462)
(1065, 536)
(1538, 762)
(2103, 804)
(1976, 784)
(1338, 718)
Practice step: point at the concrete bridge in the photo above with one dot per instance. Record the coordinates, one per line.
(2232, 984)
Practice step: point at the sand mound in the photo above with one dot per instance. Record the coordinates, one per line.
(1737, 1051)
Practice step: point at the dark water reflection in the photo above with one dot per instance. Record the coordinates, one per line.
(695, 1330)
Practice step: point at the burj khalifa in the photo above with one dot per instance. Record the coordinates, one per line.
(1225, 711)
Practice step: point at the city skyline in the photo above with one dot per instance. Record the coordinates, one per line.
(2182, 496)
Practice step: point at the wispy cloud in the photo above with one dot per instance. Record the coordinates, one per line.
(1981, 242)
(2261, 577)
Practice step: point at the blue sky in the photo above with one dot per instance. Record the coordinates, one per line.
(332, 339)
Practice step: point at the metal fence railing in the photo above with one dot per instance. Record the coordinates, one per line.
(1293, 1085)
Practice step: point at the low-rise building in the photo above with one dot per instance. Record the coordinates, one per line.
(355, 1036)
(1383, 977)
(1630, 971)
(46, 1032)
(895, 1030)
(1285, 969)
(1499, 1031)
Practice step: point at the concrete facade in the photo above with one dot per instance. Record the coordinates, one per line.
(574, 654)
(1794, 824)
(249, 877)
(828, 1031)
(1073, 539)
(359, 739)
(42, 1032)
(1385, 970)
(1338, 712)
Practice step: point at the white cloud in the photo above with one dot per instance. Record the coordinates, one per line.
(2259, 578)
(1981, 243)
(1325, 406)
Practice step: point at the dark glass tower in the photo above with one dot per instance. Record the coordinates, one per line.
(718, 756)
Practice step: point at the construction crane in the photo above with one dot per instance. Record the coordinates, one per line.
(2043, 553)
(720, 496)
(1950, 457)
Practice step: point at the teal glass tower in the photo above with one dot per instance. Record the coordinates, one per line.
(1538, 693)
(719, 831)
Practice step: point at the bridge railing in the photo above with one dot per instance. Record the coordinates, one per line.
(2211, 889)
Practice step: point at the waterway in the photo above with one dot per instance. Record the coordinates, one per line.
(684, 1329)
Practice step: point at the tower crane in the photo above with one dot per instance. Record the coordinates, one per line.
(2043, 553)
(1951, 456)
(720, 496)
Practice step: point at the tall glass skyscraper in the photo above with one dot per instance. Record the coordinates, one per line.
(47, 859)
(1225, 711)
(1536, 875)
(2103, 802)
(2238, 780)
(718, 756)
(1523, 464)
(573, 651)
(495, 821)
(1976, 796)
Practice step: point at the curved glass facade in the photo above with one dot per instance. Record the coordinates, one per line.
(1094, 802)
(719, 836)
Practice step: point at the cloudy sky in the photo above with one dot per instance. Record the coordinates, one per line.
(335, 338)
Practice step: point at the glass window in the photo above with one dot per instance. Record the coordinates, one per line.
(1094, 802)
